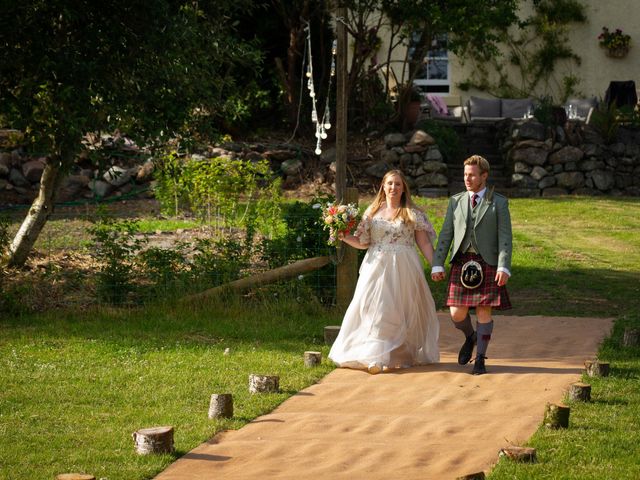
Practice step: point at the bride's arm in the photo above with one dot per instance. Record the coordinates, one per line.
(353, 241)
(424, 244)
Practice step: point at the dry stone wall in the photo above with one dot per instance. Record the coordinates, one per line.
(571, 160)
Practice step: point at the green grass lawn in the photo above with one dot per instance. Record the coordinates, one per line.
(75, 385)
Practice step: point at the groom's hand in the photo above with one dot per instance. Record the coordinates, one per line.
(438, 276)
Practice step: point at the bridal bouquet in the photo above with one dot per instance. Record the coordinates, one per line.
(339, 219)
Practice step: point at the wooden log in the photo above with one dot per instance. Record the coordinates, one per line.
(153, 440)
(631, 337)
(264, 383)
(519, 454)
(331, 333)
(556, 415)
(596, 368)
(75, 476)
(221, 405)
(275, 275)
(580, 392)
(472, 476)
(312, 359)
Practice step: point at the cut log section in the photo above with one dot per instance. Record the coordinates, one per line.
(580, 392)
(75, 476)
(221, 405)
(519, 454)
(153, 440)
(472, 476)
(631, 337)
(312, 359)
(556, 415)
(264, 383)
(596, 369)
(331, 333)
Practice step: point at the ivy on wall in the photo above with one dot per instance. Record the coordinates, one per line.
(529, 55)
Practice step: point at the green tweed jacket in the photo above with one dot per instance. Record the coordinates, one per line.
(491, 232)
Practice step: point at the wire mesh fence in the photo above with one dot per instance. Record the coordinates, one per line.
(128, 253)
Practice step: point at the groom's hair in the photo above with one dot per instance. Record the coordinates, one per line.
(481, 162)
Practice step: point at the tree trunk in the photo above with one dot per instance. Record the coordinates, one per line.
(597, 369)
(264, 383)
(153, 440)
(580, 392)
(312, 359)
(37, 216)
(556, 415)
(221, 405)
(631, 337)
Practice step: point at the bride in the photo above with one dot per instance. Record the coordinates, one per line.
(391, 321)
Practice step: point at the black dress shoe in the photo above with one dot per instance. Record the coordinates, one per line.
(478, 366)
(466, 351)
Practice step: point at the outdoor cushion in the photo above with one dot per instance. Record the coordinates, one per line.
(484, 107)
(515, 107)
(582, 105)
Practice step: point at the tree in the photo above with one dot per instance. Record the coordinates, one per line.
(150, 68)
(413, 25)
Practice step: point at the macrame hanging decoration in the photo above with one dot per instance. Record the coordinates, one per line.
(322, 124)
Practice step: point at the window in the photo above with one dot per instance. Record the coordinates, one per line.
(435, 74)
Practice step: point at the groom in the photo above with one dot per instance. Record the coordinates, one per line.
(478, 225)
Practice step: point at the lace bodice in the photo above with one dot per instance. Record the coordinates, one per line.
(382, 234)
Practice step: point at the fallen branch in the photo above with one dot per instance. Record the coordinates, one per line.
(272, 276)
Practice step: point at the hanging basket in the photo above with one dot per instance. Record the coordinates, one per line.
(619, 52)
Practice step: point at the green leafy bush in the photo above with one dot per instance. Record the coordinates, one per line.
(445, 136)
(115, 247)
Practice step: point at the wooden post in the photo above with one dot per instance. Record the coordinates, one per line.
(580, 392)
(75, 476)
(312, 359)
(341, 102)
(153, 440)
(347, 269)
(264, 383)
(519, 454)
(631, 337)
(556, 415)
(596, 369)
(331, 333)
(221, 405)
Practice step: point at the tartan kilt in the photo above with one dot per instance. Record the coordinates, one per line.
(487, 294)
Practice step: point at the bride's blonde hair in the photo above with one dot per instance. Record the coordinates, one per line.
(406, 204)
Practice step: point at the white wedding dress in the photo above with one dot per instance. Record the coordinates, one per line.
(392, 318)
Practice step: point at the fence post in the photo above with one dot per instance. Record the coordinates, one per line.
(347, 269)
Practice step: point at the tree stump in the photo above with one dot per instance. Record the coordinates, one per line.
(631, 337)
(556, 415)
(153, 440)
(580, 392)
(596, 368)
(472, 476)
(221, 405)
(519, 454)
(264, 383)
(75, 476)
(331, 333)
(312, 359)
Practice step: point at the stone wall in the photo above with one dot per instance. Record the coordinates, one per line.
(419, 158)
(570, 160)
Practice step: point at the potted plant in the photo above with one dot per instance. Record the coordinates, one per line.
(617, 43)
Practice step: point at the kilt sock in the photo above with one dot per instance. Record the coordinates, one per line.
(465, 325)
(484, 335)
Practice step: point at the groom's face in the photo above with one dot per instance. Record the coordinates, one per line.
(473, 179)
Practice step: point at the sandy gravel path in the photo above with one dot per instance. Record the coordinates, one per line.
(435, 422)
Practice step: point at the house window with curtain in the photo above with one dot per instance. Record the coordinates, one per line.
(435, 74)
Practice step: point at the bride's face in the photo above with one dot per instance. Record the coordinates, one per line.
(393, 187)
